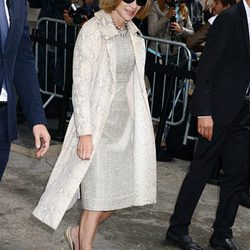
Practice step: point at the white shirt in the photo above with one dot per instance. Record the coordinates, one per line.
(247, 8)
(211, 19)
(3, 94)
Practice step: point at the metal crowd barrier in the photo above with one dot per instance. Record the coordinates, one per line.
(52, 35)
(171, 72)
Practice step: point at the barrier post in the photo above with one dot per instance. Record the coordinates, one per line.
(66, 97)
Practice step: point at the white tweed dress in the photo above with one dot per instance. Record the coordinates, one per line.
(109, 181)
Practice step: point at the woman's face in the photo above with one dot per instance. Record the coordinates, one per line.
(126, 11)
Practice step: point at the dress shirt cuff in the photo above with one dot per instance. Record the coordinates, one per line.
(203, 116)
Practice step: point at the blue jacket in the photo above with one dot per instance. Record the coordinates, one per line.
(17, 63)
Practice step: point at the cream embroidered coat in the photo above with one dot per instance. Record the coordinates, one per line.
(94, 74)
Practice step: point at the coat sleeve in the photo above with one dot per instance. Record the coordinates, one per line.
(26, 82)
(216, 45)
(83, 63)
(195, 41)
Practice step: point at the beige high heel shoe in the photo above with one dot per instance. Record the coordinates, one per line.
(68, 238)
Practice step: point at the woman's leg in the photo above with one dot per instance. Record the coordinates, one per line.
(75, 232)
(77, 235)
(88, 226)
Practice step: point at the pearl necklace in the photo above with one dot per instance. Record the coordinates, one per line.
(122, 30)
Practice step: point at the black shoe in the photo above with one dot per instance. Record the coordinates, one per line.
(223, 244)
(245, 199)
(182, 241)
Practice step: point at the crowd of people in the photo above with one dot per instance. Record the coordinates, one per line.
(109, 148)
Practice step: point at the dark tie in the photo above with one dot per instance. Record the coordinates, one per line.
(3, 23)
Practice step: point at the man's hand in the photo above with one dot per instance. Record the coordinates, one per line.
(67, 18)
(84, 147)
(42, 139)
(205, 127)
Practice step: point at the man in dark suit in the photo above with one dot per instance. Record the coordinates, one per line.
(18, 76)
(221, 104)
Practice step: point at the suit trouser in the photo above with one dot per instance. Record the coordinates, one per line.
(231, 142)
(247, 184)
(4, 141)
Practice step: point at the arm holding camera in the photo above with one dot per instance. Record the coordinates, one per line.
(158, 19)
(67, 18)
(171, 13)
(79, 13)
(185, 31)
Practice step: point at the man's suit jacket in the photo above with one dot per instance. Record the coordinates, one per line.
(17, 64)
(223, 72)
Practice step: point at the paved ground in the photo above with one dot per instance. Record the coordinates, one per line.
(129, 229)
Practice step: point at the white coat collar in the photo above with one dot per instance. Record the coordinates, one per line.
(107, 28)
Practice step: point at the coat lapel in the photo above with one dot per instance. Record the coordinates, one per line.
(245, 25)
(1, 50)
(12, 25)
(138, 46)
(140, 54)
(112, 57)
(108, 32)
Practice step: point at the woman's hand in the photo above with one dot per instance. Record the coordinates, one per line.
(84, 147)
(176, 27)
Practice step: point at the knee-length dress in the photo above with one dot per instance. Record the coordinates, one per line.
(109, 181)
